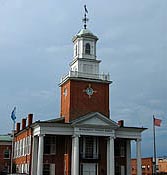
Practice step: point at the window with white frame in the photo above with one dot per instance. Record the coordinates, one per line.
(122, 148)
(50, 145)
(87, 48)
(49, 169)
(76, 50)
(89, 147)
(46, 169)
(24, 146)
(88, 168)
(15, 150)
(19, 148)
(29, 145)
(7, 153)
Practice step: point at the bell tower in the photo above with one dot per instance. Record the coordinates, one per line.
(83, 89)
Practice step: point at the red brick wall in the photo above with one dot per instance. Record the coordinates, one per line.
(65, 101)
(62, 156)
(78, 103)
(23, 134)
(146, 166)
(103, 156)
(162, 164)
(4, 162)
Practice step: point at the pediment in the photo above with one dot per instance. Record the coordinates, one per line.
(94, 119)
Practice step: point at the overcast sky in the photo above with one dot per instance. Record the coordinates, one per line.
(36, 49)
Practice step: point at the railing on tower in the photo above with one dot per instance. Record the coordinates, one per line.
(73, 74)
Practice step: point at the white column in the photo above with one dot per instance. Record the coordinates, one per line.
(128, 157)
(40, 155)
(34, 155)
(75, 155)
(110, 156)
(138, 156)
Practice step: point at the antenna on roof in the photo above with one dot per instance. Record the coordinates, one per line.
(85, 19)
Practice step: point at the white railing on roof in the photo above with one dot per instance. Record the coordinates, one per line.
(73, 74)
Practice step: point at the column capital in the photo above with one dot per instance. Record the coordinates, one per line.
(138, 140)
(112, 137)
(75, 135)
(41, 135)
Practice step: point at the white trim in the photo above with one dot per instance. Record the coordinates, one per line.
(138, 155)
(75, 155)
(128, 157)
(40, 155)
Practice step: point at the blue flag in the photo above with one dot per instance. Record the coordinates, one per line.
(85, 9)
(13, 115)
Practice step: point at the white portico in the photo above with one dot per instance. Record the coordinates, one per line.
(93, 125)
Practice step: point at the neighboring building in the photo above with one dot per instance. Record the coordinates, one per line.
(22, 148)
(5, 153)
(147, 166)
(83, 140)
(162, 165)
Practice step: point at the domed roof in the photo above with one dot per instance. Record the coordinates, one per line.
(84, 31)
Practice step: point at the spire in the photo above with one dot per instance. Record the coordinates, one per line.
(85, 19)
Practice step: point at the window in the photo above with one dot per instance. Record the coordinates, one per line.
(87, 48)
(46, 169)
(18, 148)
(15, 149)
(123, 148)
(76, 50)
(120, 147)
(28, 144)
(21, 147)
(88, 169)
(7, 154)
(24, 146)
(89, 147)
(49, 145)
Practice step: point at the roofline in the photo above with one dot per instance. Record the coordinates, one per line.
(85, 79)
(136, 128)
(85, 36)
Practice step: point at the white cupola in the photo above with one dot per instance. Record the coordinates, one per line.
(84, 52)
(84, 64)
(85, 45)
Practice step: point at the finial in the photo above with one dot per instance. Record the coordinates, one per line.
(85, 19)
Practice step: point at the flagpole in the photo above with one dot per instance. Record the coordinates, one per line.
(13, 117)
(11, 166)
(154, 163)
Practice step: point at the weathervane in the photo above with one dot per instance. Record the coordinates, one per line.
(85, 19)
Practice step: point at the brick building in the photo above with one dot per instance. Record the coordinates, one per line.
(22, 146)
(83, 140)
(146, 165)
(162, 165)
(5, 153)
